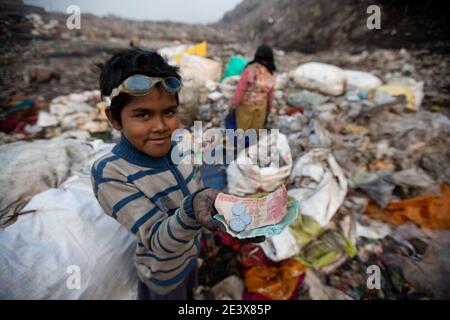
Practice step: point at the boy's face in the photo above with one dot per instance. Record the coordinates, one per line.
(148, 122)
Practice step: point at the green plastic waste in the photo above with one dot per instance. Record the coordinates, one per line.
(305, 229)
(324, 250)
(235, 67)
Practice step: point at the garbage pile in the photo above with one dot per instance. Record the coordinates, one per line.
(362, 158)
(365, 163)
(52, 28)
(78, 115)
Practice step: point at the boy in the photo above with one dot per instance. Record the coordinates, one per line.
(138, 184)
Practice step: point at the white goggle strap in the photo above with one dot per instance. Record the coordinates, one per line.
(116, 92)
(107, 101)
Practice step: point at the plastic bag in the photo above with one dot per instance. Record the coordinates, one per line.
(304, 229)
(246, 176)
(359, 80)
(320, 185)
(200, 69)
(280, 247)
(322, 77)
(325, 250)
(305, 99)
(48, 163)
(272, 282)
(428, 211)
(235, 66)
(69, 234)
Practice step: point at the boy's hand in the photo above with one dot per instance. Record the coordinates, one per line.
(204, 210)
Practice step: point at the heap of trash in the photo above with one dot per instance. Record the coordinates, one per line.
(365, 163)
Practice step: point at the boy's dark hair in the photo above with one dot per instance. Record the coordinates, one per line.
(127, 63)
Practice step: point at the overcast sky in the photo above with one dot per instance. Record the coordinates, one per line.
(190, 11)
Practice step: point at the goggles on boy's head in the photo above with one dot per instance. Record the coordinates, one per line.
(140, 85)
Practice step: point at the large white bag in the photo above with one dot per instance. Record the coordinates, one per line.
(28, 168)
(42, 254)
(322, 77)
(359, 80)
(200, 69)
(321, 185)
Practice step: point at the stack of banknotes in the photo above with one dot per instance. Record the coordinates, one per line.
(249, 217)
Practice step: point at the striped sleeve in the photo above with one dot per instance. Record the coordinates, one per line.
(163, 234)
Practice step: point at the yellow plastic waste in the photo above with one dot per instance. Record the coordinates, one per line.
(200, 49)
(400, 91)
(101, 106)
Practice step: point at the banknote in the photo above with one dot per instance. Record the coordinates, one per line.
(264, 211)
(268, 231)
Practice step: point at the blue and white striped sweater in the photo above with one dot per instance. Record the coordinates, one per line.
(152, 198)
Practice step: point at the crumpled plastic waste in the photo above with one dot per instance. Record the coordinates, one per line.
(231, 287)
(320, 185)
(325, 250)
(372, 229)
(408, 87)
(280, 247)
(175, 55)
(272, 282)
(305, 99)
(304, 229)
(359, 80)
(248, 175)
(378, 185)
(429, 211)
(431, 274)
(320, 291)
(256, 296)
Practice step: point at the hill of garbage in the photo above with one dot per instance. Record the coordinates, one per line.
(314, 25)
(365, 141)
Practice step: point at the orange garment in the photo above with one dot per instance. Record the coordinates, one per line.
(277, 283)
(426, 211)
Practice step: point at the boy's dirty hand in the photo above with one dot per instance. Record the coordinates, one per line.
(204, 210)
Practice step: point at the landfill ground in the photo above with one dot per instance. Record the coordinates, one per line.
(374, 164)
